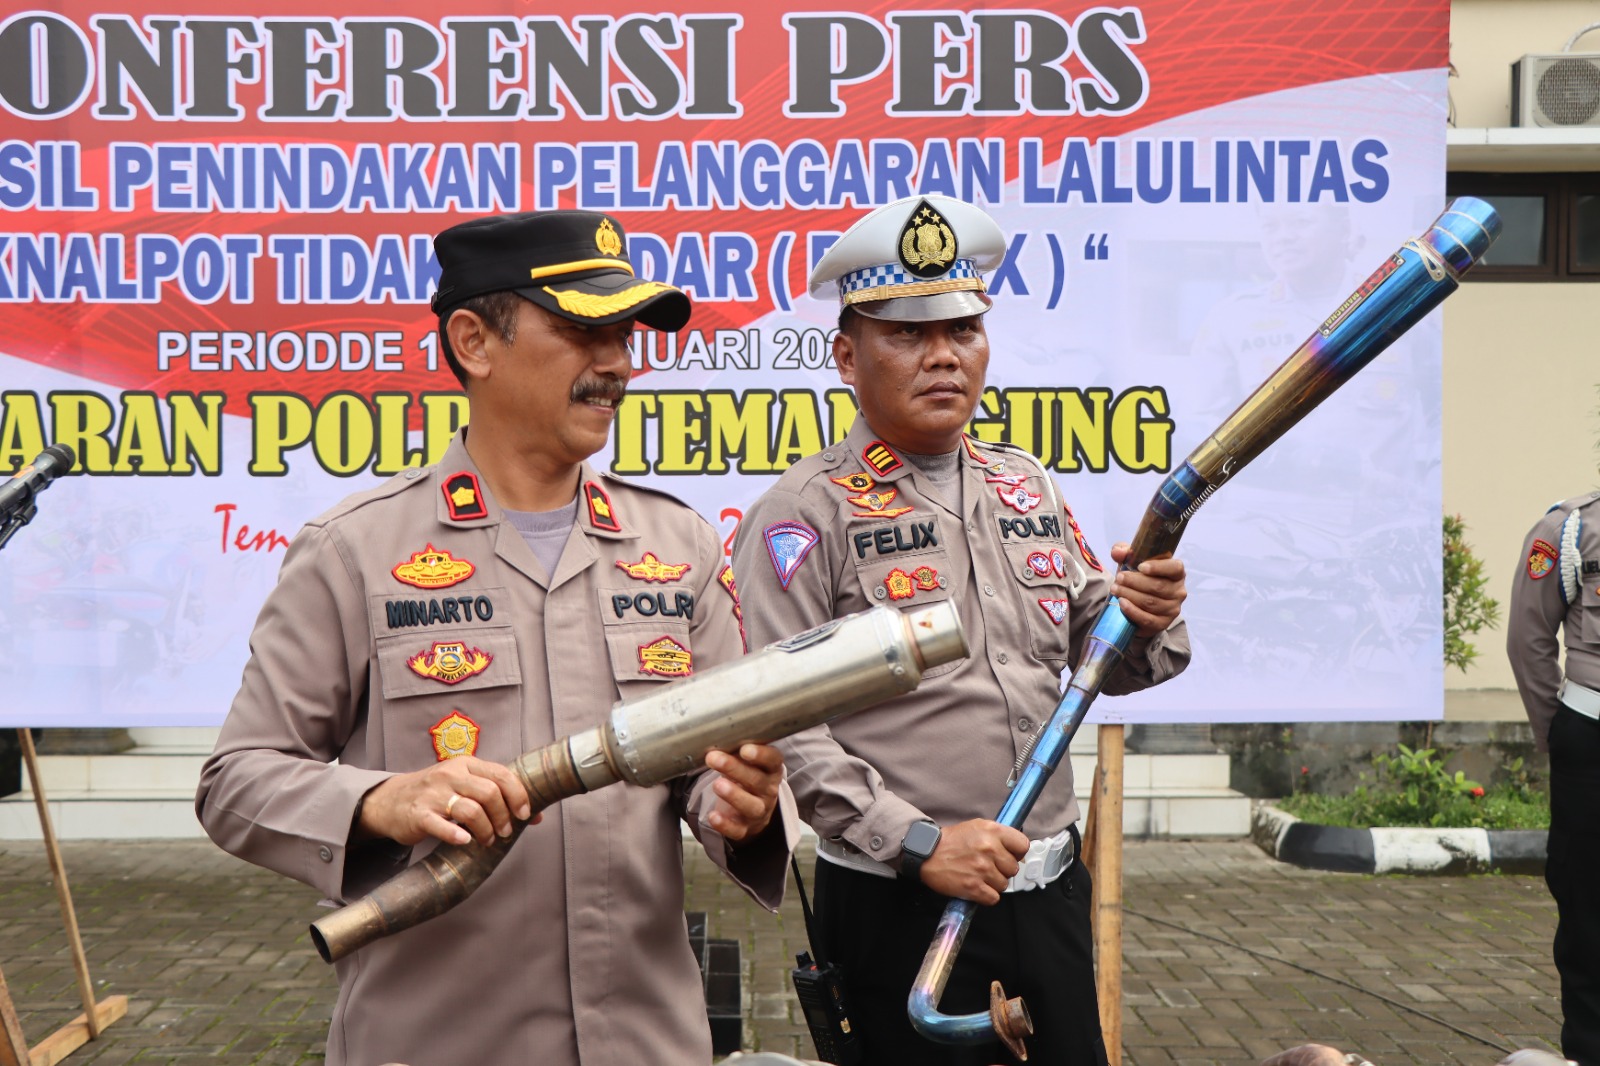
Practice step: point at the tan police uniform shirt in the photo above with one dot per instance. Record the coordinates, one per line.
(379, 650)
(1028, 589)
(1557, 583)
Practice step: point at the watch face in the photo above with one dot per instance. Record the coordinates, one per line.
(921, 839)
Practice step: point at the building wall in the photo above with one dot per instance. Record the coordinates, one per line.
(1521, 359)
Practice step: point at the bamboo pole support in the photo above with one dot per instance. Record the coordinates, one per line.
(13, 1049)
(1107, 827)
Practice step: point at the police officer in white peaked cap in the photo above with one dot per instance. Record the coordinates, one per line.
(908, 510)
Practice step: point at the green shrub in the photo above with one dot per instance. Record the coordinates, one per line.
(1466, 608)
(1414, 789)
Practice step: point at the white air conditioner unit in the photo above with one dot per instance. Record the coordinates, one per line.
(1559, 90)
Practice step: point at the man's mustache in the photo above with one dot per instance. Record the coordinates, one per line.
(608, 390)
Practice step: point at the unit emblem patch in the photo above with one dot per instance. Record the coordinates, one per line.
(880, 457)
(857, 482)
(601, 516)
(899, 584)
(455, 735)
(788, 544)
(449, 662)
(1058, 562)
(665, 657)
(926, 577)
(1541, 559)
(1019, 499)
(651, 568)
(1039, 563)
(463, 497)
(431, 568)
(877, 504)
(1056, 609)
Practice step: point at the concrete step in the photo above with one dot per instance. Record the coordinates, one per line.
(148, 792)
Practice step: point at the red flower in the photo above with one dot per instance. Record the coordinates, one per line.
(1478, 791)
(1305, 769)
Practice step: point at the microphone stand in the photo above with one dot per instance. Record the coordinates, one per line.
(18, 518)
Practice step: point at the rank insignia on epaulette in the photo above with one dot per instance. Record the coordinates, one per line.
(877, 504)
(1019, 499)
(857, 482)
(1083, 545)
(455, 735)
(880, 457)
(1541, 559)
(449, 662)
(899, 584)
(1056, 609)
(463, 497)
(972, 450)
(1039, 563)
(652, 569)
(665, 657)
(601, 516)
(788, 544)
(431, 568)
(927, 578)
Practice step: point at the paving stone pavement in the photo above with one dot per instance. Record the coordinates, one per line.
(213, 957)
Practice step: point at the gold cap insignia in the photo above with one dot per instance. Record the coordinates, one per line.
(651, 568)
(433, 569)
(927, 244)
(449, 662)
(665, 657)
(455, 735)
(607, 239)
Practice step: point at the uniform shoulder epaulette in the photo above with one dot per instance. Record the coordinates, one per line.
(406, 479)
(803, 471)
(633, 485)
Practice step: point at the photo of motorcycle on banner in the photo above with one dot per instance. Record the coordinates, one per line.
(216, 267)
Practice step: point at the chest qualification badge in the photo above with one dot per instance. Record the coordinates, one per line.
(651, 568)
(877, 504)
(455, 735)
(1019, 499)
(449, 662)
(665, 657)
(1056, 609)
(431, 568)
(788, 544)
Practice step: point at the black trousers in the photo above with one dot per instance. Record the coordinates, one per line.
(1573, 874)
(1037, 944)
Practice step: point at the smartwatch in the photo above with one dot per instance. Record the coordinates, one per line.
(917, 847)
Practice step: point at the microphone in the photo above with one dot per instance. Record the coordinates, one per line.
(17, 494)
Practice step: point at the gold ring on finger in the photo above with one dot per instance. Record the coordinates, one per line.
(448, 807)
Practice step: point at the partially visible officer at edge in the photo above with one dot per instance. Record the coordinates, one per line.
(905, 511)
(427, 631)
(1558, 585)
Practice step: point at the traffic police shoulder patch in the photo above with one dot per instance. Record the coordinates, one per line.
(601, 514)
(1541, 559)
(431, 568)
(651, 568)
(454, 735)
(665, 657)
(788, 544)
(463, 497)
(449, 662)
(880, 457)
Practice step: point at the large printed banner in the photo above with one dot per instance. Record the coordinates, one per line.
(215, 264)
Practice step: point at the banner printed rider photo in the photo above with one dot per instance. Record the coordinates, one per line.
(1555, 600)
(905, 511)
(427, 631)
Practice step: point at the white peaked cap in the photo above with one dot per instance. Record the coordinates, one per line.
(919, 259)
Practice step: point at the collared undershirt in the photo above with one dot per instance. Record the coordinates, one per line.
(944, 472)
(545, 532)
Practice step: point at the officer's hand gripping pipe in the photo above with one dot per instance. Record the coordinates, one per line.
(1408, 284)
(814, 677)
